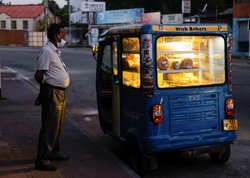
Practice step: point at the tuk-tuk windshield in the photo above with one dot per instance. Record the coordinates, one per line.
(184, 61)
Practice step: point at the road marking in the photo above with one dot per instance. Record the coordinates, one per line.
(22, 77)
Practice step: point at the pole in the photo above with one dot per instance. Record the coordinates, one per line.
(216, 13)
(0, 79)
(45, 3)
(249, 37)
(69, 23)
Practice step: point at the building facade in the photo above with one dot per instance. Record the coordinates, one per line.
(241, 31)
(25, 20)
(20, 17)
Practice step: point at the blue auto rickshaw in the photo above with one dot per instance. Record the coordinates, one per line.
(167, 88)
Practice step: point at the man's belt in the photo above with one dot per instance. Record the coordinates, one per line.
(52, 86)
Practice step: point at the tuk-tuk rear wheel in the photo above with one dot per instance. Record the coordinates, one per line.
(222, 156)
(137, 160)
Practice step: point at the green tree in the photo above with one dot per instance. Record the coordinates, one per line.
(54, 8)
(168, 6)
(165, 6)
(1, 3)
(63, 13)
(41, 25)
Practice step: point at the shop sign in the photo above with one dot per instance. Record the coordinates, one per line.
(212, 28)
(88, 6)
(152, 17)
(120, 16)
(186, 6)
(172, 19)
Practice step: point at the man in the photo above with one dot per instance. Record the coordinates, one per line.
(53, 78)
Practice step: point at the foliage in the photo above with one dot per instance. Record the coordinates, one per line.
(41, 25)
(168, 6)
(2, 3)
(53, 7)
(63, 13)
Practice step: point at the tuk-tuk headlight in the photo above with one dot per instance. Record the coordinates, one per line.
(157, 114)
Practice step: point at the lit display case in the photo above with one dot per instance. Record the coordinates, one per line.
(184, 61)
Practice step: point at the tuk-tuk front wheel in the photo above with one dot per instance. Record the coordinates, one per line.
(221, 156)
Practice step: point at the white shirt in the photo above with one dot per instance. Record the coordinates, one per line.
(49, 59)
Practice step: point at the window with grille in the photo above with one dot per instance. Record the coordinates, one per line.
(13, 24)
(3, 24)
(25, 25)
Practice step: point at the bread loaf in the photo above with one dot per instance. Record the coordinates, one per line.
(176, 65)
(162, 63)
(187, 63)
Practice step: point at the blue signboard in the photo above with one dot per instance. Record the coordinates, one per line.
(120, 16)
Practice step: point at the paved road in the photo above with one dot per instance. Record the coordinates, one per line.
(20, 123)
(82, 110)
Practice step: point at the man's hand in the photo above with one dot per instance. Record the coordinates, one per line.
(39, 76)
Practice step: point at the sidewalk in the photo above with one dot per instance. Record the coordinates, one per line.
(241, 62)
(20, 124)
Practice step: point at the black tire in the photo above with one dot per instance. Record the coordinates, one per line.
(222, 156)
(137, 160)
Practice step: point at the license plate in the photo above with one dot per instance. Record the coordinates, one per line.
(230, 124)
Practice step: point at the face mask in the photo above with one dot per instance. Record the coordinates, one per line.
(62, 43)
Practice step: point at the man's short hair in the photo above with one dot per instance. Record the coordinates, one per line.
(53, 30)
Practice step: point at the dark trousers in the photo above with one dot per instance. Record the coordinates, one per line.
(53, 100)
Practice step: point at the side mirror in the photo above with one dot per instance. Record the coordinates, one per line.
(94, 50)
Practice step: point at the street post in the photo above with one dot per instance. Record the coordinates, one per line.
(45, 3)
(248, 37)
(0, 79)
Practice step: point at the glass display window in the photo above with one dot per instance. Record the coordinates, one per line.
(185, 61)
(106, 68)
(131, 62)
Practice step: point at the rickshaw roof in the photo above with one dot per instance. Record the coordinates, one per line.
(184, 28)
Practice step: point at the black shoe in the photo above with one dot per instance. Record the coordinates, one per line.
(46, 166)
(59, 157)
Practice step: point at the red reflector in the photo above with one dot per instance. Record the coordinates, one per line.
(229, 107)
(157, 114)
